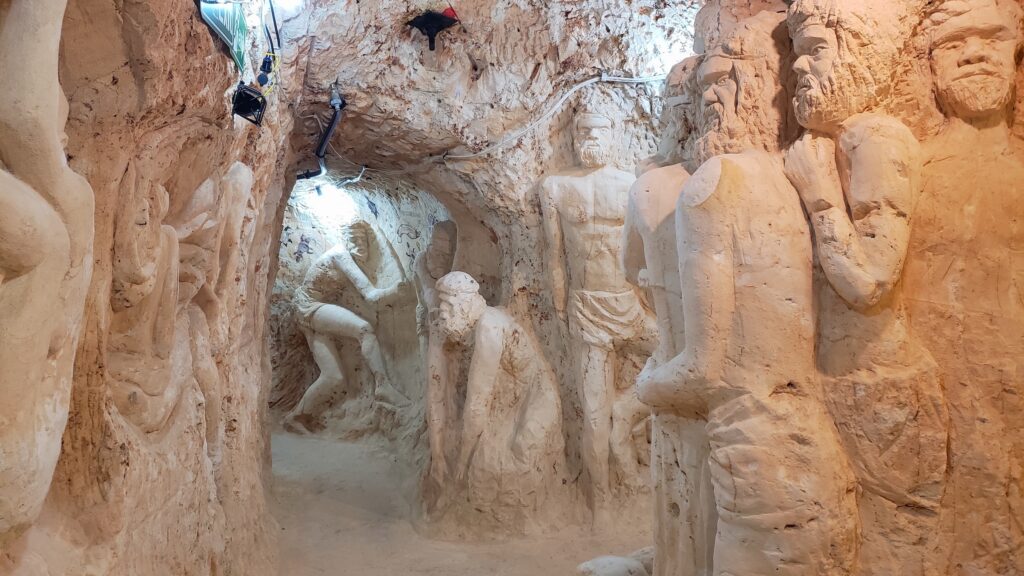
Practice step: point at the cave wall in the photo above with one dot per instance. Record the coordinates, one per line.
(164, 456)
(509, 64)
(403, 218)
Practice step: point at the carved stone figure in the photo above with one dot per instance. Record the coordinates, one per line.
(341, 267)
(783, 492)
(858, 174)
(144, 302)
(430, 267)
(684, 506)
(167, 283)
(584, 211)
(965, 278)
(46, 234)
(510, 456)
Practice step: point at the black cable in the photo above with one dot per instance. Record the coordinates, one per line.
(269, 39)
(273, 16)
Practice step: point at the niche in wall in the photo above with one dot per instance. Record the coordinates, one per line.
(316, 218)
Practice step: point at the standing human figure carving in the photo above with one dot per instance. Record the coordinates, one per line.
(965, 277)
(584, 211)
(683, 504)
(431, 266)
(783, 492)
(510, 457)
(341, 267)
(858, 173)
(46, 234)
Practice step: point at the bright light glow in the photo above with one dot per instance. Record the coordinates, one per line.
(333, 207)
(667, 54)
(287, 8)
(666, 60)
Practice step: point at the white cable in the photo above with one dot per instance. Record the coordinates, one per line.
(604, 77)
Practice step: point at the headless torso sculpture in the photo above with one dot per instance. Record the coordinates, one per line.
(782, 491)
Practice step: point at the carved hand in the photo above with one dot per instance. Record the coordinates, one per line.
(376, 295)
(674, 384)
(643, 280)
(811, 167)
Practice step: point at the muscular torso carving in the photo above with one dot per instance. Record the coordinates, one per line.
(584, 212)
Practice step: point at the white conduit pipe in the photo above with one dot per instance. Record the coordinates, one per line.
(604, 77)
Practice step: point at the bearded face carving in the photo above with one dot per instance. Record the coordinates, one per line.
(591, 140)
(973, 58)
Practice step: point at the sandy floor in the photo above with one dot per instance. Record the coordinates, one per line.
(341, 512)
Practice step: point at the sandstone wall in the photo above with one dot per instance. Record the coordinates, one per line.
(164, 456)
(510, 63)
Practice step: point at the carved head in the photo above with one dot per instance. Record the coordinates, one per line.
(591, 137)
(440, 254)
(974, 49)
(358, 236)
(740, 83)
(678, 118)
(844, 56)
(461, 305)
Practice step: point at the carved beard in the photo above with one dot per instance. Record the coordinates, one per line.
(593, 156)
(824, 105)
(458, 323)
(818, 104)
(977, 95)
(457, 328)
(720, 133)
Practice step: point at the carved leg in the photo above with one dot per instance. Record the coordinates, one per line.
(343, 323)
(383, 390)
(626, 414)
(321, 393)
(438, 393)
(684, 501)
(597, 383)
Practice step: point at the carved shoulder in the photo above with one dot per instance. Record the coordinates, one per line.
(700, 187)
(879, 130)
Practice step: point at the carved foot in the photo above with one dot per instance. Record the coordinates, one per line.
(387, 394)
(297, 423)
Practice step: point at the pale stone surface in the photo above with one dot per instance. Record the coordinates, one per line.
(882, 386)
(963, 281)
(895, 304)
(584, 212)
(46, 239)
(907, 254)
(161, 462)
(342, 268)
(506, 470)
(744, 353)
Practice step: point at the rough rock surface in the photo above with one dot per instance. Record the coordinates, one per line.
(164, 454)
(487, 80)
(160, 303)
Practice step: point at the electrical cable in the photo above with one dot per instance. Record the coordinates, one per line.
(333, 150)
(277, 31)
(604, 77)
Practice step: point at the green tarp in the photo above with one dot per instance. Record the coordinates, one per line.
(228, 21)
